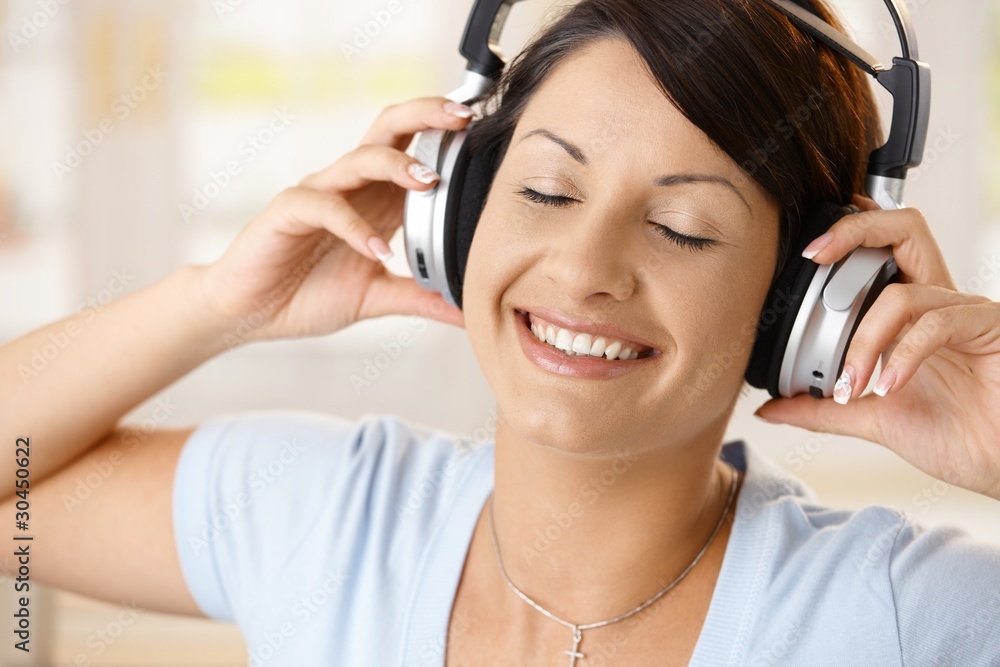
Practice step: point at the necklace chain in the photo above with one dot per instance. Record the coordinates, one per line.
(578, 629)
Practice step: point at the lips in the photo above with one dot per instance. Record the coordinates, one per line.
(558, 361)
(610, 332)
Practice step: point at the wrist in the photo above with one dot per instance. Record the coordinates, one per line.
(214, 330)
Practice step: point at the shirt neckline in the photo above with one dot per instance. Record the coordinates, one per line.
(726, 631)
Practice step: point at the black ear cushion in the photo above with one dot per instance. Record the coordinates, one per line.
(469, 187)
(782, 303)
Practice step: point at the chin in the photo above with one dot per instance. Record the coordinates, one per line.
(567, 428)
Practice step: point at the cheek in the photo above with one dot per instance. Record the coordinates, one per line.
(483, 279)
(712, 315)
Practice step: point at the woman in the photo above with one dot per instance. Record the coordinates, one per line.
(606, 524)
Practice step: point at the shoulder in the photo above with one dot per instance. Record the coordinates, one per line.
(266, 497)
(872, 577)
(400, 466)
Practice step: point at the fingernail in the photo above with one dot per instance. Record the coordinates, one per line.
(817, 245)
(422, 172)
(885, 381)
(460, 110)
(842, 390)
(380, 248)
(764, 419)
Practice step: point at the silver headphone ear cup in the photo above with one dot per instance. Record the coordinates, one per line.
(834, 305)
(422, 253)
(427, 221)
(784, 299)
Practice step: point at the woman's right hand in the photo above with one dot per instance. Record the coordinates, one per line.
(303, 267)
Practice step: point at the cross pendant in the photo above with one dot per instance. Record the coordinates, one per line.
(574, 654)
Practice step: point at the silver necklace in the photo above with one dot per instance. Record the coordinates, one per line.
(574, 653)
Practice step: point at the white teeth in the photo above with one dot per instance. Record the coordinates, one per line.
(582, 344)
(550, 335)
(564, 340)
(598, 349)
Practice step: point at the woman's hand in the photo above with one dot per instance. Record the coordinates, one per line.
(304, 266)
(940, 357)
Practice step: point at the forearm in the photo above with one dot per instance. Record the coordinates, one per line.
(107, 363)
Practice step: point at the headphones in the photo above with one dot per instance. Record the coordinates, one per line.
(811, 311)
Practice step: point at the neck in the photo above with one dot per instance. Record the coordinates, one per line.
(592, 537)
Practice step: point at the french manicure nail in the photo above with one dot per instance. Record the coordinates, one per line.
(842, 390)
(885, 382)
(380, 248)
(817, 245)
(460, 110)
(422, 172)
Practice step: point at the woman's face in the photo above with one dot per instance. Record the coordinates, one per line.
(614, 160)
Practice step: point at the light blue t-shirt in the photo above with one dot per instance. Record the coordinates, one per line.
(340, 543)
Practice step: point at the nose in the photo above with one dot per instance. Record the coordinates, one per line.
(594, 254)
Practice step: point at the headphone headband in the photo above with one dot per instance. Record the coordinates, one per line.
(908, 81)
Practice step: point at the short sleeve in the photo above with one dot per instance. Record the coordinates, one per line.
(250, 489)
(946, 589)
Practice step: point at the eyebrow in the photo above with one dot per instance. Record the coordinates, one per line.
(674, 179)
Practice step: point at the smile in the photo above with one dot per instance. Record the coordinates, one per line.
(574, 343)
(578, 353)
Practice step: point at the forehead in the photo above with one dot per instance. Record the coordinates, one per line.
(603, 98)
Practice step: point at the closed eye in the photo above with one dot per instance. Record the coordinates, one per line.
(682, 240)
(542, 198)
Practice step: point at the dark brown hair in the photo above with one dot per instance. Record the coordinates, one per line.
(796, 117)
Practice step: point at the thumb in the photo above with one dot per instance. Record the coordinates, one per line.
(391, 294)
(824, 415)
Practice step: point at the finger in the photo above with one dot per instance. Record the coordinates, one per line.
(370, 163)
(822, 415)
(391, 294)
(865, 203)
(914, 247)
(897, 306)
(970, 328)
(300, 211)
(396, 124)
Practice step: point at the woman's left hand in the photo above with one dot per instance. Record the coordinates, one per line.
(940, 358)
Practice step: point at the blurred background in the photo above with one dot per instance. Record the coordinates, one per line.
(140, 135)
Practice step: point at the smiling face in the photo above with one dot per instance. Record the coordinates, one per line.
(613, 214)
